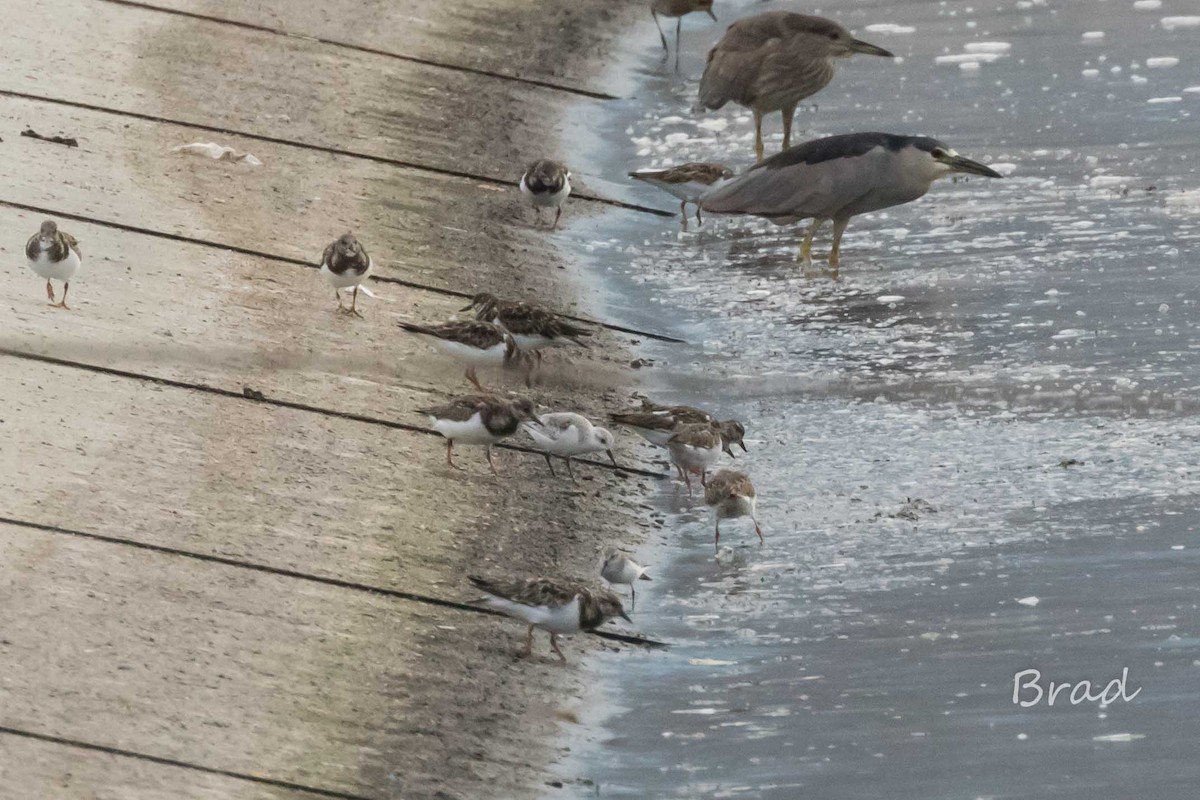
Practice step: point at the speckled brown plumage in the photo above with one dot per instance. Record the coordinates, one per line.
(697, 171)
(345, 254)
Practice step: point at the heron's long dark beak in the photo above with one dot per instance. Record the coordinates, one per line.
(960, 164)
(711, 14)
(866, 48)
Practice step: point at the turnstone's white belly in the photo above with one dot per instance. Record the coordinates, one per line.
(55, 270)
(470, 431)
(348, 279)
(696, 459)
(547, 199)
(561, 620)
(472, 356)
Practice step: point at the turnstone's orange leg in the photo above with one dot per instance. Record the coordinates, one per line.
(550, 464)
(557, 214)
(50, 291)
(353, 304)
(341, 306)
(788, 114)
(554, 646)
(683, 213)
(758, 530)
(758, 142)
(839, 227)
(488, 452)
(528, 651)
(473, 379)
(63, 303)
(450, 454)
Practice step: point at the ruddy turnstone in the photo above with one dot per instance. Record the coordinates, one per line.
(346, 265)
(657, 423)
(546, 184)
(479, 419)
(687, 182)
(535, 328)
(54, 255)
(694, 449)
(678, 9)
(559, 607)
(567, 435)
(772, 61)
(476, 344)
(731, 495)
(620, 568)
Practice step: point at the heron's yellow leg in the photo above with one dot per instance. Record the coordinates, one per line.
(839, 227)
(758, 142)
(805, 254)
(788, 115)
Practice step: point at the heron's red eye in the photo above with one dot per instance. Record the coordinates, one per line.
(937, 152)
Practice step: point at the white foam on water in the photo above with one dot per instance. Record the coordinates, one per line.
(1171, 23)
(1093, 35)
(1163, 61)
(1030, 601)
(1164, 100)
(987, 47)
(889, 27)
(969, 66)
(1147, 5)
(1091, 73)
(966, 58)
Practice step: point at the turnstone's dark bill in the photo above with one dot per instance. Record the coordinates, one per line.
(731, 495)
(546, 184)
(657, 423)
(694, 449)
(620, 568)
(54, 255)
(678, 9)
(533, 327)
(476, 344)
(687, 182)
(479, 419)
(346, 265)
(567, 435)
(559, 607)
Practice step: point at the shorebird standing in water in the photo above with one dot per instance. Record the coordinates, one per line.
(546, 184)
(687, 182)
(731, 495)
(346, 265)
(772, 61)
(678, 9)
(558, 607)
(54, 255)
(619, 568)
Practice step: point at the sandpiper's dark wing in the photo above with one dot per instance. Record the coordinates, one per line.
(472, 333)
(527, 319)
(548, 592)
(697, 171)
(460, 409)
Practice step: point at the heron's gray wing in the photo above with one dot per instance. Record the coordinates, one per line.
(788, 74)
(787, 193)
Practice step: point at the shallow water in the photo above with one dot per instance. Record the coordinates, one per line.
(1020, 354)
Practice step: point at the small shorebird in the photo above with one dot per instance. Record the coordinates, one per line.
(620, 568)
(731, 495)
(533, 327)
(678, 9)
(837, 178)
(559, 607)
(687, 182)
(567, 435)
(54, 255)
(346, 265)
(694, 449)
(479, 419)
(772, 61)
(546, 184)
(476, 344)
(657, 423)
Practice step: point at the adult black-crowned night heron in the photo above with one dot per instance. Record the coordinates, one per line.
(678, 9)
(837, 178)
(772, 61)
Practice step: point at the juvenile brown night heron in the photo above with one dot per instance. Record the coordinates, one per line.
(678, 9)
(837, 178)
(772, 61)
